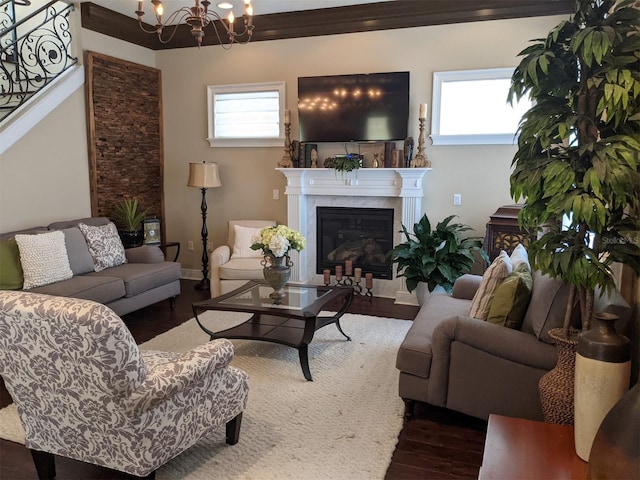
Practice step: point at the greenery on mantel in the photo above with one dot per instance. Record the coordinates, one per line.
(579, 146)
(345, 163)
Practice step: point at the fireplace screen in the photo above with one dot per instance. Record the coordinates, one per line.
(363, 235)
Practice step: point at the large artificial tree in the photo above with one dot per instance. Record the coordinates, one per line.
(578, 148)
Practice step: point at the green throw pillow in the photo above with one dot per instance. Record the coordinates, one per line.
(10, 267)
(511, 298)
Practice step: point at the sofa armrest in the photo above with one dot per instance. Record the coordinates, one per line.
(175, 376)
(220, 256)
(465, 287)
(144, 254)
(497, 341)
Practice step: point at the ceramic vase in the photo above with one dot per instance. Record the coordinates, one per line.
(556, 386)
(277, 271)
(603, 371)
(131, 238)
(616, 449)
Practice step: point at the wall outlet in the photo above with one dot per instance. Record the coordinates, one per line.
(457, 199)
(190, 245)
(276, 194)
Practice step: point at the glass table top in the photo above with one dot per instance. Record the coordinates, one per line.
(297, 297)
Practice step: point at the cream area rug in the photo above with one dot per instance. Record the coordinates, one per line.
(343, 425)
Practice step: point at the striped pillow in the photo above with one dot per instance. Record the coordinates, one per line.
(499, 269)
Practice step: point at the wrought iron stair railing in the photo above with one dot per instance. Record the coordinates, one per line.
(34, 50)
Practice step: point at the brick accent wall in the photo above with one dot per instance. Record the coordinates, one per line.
(124, 123)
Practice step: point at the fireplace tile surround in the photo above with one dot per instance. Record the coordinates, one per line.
(308, 188)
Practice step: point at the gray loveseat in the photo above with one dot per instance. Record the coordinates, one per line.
(145, 279)
(451, 360)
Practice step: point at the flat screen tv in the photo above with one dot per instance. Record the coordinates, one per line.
(361, 107)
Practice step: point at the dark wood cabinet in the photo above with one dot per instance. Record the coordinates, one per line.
(503, 231)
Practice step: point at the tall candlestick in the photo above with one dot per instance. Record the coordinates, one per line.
(327, 276)
(368, 280)
(423, 111)
(348, 267)
(287, 116)
(358, 274)
(420, 160)
(286, 161)
(338, 272)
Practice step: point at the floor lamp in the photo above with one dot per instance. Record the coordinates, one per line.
(204, 175)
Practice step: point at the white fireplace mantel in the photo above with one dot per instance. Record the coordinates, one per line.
(400, 188)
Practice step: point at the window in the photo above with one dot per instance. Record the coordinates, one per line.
(246, 115)
(470, 108)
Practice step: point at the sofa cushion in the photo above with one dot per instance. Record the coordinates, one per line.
(499, 269)
(549, 299)
(518, 256)
(43, 258)
(414, 355)
(241, 269)
(140, 277)
(511, 298)
(104, 244)
(10, 268)
(77, 250)
(101, 289)
(243, 239)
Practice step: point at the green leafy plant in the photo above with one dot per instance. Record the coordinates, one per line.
(436, 257)
(345, 163)
(578, 148)
(128, 214)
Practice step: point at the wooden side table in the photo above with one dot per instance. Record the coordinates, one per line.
(521, 449)
(165, 245)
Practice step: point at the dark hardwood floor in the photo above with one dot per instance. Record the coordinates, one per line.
(436, 444)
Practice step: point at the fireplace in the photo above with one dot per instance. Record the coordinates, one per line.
(363, 235)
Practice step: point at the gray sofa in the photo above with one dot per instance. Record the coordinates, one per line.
(451, 360)
(145, 279)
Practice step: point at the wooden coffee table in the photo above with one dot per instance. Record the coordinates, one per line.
(291, 321)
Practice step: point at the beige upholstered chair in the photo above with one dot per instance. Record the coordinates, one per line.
(234, 264)
(84, 390)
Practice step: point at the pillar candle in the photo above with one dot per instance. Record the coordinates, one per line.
(368, 280)
(358, 274)
(338, 272)
(423, 110)
(327, 276)
(348, 268)
(287, 116)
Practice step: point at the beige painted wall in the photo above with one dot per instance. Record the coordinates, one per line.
(56, 148)
(479, 173)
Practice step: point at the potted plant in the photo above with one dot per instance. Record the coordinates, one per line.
(436, 257)
(129, 217)
(576, 167)
(577, 156)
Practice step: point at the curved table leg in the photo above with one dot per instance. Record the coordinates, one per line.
(340, 330)
(303, 353)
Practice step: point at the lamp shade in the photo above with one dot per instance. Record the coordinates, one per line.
(204, 175)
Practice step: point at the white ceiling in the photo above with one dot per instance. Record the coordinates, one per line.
(260, 7)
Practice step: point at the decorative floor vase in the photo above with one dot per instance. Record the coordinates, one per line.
(556, 386)
(616, 449)
(603, 371)
(277, 271)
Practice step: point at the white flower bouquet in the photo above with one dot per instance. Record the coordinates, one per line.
(278, 240)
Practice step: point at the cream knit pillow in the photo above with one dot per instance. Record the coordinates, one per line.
(43, 258)
(499, 269)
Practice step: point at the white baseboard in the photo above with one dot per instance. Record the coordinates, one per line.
(191, 274)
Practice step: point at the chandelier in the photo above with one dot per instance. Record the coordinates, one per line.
(198, 18)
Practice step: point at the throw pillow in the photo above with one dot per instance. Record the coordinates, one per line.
(243, 241)
(43, 258)
(77, 250)
(499, 269)
(10, 269)
(511, 298)
(105, 245)
(518, 256)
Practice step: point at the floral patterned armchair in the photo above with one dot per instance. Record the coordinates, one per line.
(84, 390)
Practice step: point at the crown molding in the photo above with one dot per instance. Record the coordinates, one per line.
(333, 21)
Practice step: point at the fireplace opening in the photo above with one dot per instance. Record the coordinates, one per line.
(363, 235)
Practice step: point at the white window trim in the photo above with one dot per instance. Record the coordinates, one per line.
(212, 90)
(473, 139)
